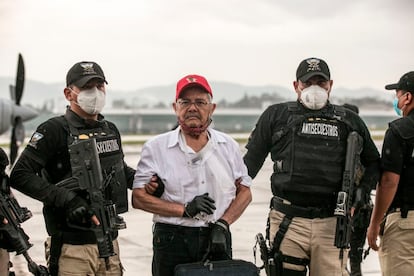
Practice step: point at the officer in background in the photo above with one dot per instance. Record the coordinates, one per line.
(307, 141)
(395, 191)
(45, 162)
(360, 220)
(4, 255)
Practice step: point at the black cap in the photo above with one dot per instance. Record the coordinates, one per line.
(312, 67)
(406, 83)
(82, 72)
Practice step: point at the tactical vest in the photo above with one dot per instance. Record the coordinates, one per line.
(111, 159)
(309, 155)
(404, 197)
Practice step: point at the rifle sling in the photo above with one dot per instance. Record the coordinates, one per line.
(55, 250)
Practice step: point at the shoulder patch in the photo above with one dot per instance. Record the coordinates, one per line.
(36, 137)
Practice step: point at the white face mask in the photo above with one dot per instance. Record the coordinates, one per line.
(91, 100)
(314, 97)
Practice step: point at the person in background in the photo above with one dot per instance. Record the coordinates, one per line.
(4, 255)
(307, 141)
(45, 162)
(206, 183)
(394, 200)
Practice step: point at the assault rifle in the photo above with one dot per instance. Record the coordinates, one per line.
(15, 239)
(87, 178)
(345, 196)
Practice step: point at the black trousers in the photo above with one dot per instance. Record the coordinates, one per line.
(174, 245)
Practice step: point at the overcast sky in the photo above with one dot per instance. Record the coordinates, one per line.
(139, 43)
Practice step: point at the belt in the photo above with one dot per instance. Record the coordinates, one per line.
(399, 209)
(280, 205)
(180, 228)
(403, 211)
(81, 238)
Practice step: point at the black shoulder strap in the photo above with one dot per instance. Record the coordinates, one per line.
(293, 118)
(340, 113)
(404, 127)
(74, 132)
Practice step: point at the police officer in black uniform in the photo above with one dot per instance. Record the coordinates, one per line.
(395, 192)
(4, 255)
(45, 162)
(307, 142)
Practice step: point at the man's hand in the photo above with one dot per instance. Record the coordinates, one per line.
(220, 240)
(360, 198)
(372, 235)
(78, 212)
(201, 203)
(155, 187)
(3, 220)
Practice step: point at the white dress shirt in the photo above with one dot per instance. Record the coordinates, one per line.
(186, 174)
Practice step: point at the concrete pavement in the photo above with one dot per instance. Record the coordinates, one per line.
(136, 240)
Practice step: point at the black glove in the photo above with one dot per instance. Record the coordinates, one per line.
(17, 241)
(38, 270)
(78, 211)
(160, 189)
(201, 203)
(5, 242)
(220, 241)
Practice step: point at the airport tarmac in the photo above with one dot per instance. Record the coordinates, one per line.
(136, 240)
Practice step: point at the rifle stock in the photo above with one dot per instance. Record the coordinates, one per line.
(345, 196)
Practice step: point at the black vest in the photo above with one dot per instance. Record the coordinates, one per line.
(111, 158)
(309, 155)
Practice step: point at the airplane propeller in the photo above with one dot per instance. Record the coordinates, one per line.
(18, 113)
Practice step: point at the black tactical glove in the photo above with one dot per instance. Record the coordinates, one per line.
(160, 189)
(5, 242)
(201, 203)
(220, 241)
(78, 211)
(38, 270)
(14, 241)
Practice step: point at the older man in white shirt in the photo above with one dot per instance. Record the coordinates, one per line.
(207, 186)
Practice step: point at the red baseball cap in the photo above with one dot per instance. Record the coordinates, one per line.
(192, 80)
